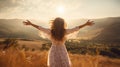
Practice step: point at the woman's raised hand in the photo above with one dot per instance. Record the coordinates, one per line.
(89, 23)
(27, 22)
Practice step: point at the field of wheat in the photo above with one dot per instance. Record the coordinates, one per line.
(14, 57)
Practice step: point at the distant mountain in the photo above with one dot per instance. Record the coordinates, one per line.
(110, 32)
(14, 28)
(104, 29)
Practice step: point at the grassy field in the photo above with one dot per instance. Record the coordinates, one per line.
(13, 57)
(26, 53)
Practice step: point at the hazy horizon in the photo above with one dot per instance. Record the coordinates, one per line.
(65, 18)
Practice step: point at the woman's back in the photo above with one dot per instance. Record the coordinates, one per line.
(48, 33)
(57, 55)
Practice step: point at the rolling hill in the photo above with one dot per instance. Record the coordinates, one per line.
(104, 29)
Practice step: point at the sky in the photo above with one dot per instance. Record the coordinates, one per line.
(47, 9)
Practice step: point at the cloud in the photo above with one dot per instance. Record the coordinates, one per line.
(6, 5)
(26, 8)
(47, 8)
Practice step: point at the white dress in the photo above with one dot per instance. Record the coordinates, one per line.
(57, 55)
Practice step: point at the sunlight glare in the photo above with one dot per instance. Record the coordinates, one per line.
(60, 9)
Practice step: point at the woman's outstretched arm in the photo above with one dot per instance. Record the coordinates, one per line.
(88, 23)
(31, 24)
(45, 30)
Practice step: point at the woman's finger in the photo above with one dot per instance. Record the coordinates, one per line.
(92, 21)
(27, 20)
(88, 20)
(24, 22)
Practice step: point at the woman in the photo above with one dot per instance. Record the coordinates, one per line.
(58, 56)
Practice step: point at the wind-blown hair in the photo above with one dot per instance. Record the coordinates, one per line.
(58, 29)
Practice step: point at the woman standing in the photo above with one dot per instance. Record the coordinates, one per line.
(57, 55)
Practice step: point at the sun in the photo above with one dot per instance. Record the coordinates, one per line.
(60, 9)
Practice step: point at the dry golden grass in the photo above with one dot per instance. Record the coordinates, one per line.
(19, 58)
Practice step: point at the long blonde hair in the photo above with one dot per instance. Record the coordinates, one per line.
(58, 29)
